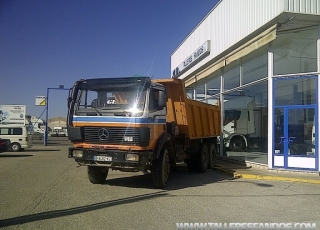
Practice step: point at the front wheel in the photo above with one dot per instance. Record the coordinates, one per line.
(16, 147)
(237, 144)
(161, 169)
(97, 175)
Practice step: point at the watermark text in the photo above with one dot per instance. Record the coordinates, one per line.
(245, 226)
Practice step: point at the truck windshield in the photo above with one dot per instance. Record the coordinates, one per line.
(111, 101)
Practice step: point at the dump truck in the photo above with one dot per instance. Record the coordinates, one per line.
(140, 124)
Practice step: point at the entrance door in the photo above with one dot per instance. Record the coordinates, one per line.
(295, 130)
(295, 137)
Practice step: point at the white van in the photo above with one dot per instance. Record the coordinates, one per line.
(20, 137)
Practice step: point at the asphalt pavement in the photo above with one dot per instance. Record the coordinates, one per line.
(41, 188)
(231, 167)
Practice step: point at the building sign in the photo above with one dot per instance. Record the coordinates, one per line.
(199, 53)
(41, 100)
(12, 114)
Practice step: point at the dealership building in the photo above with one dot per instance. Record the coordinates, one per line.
(260, 59)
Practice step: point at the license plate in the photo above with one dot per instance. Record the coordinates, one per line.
(102, 158)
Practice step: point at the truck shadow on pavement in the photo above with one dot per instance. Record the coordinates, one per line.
(15, 155)
(42, 150)
(178, 179)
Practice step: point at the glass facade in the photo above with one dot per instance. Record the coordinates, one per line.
(297, 90)
(242, 86)
(245, 95)
(295, 52)
(295, 115)
(295, 104)
(255, 66)
(231, 76)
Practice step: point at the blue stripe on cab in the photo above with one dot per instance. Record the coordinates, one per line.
(136, 120)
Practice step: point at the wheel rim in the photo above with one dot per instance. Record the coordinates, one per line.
(238, 144)
(15, 147)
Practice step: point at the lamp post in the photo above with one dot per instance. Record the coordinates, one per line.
(61, 87)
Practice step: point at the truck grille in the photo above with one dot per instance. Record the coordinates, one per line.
(111, 135)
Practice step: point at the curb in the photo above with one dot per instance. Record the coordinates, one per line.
(262, 177)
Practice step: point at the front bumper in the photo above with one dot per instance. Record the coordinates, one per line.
(115, 159)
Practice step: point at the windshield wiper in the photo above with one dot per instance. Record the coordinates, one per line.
(110, 108)
(94, 114)
(123, 113)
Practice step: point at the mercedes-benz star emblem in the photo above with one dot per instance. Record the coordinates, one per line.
(103, 134)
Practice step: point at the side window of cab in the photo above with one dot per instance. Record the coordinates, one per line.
(153, 99)
(157, 100)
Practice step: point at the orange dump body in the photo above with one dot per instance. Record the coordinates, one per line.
(194, 118)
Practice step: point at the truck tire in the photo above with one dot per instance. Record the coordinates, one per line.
(161, 169)
(201, 162)
(212, 155)
(237, 144)
(97, 175)
(16, 147)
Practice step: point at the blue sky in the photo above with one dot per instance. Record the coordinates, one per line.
(47, 43)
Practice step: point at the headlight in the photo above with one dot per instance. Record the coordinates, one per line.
(77, 153)
(132, 157)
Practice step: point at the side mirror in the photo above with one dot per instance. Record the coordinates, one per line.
(162, 99)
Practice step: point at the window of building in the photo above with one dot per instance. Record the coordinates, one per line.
(245, 129)
(296, 52)
(295, 91)
(255, 66)
(190, 92)
(214, 83)
(200, 90)
(231, 76)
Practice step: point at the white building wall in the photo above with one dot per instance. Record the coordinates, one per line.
(303, 6)
(232, 20)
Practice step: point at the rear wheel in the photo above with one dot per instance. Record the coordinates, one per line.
(237, 144)
(212, 155)
(202, 159)
(97, 175)
(161, 169)
(16, 147)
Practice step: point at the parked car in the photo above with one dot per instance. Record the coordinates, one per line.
(5, 145)
(20, 137)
